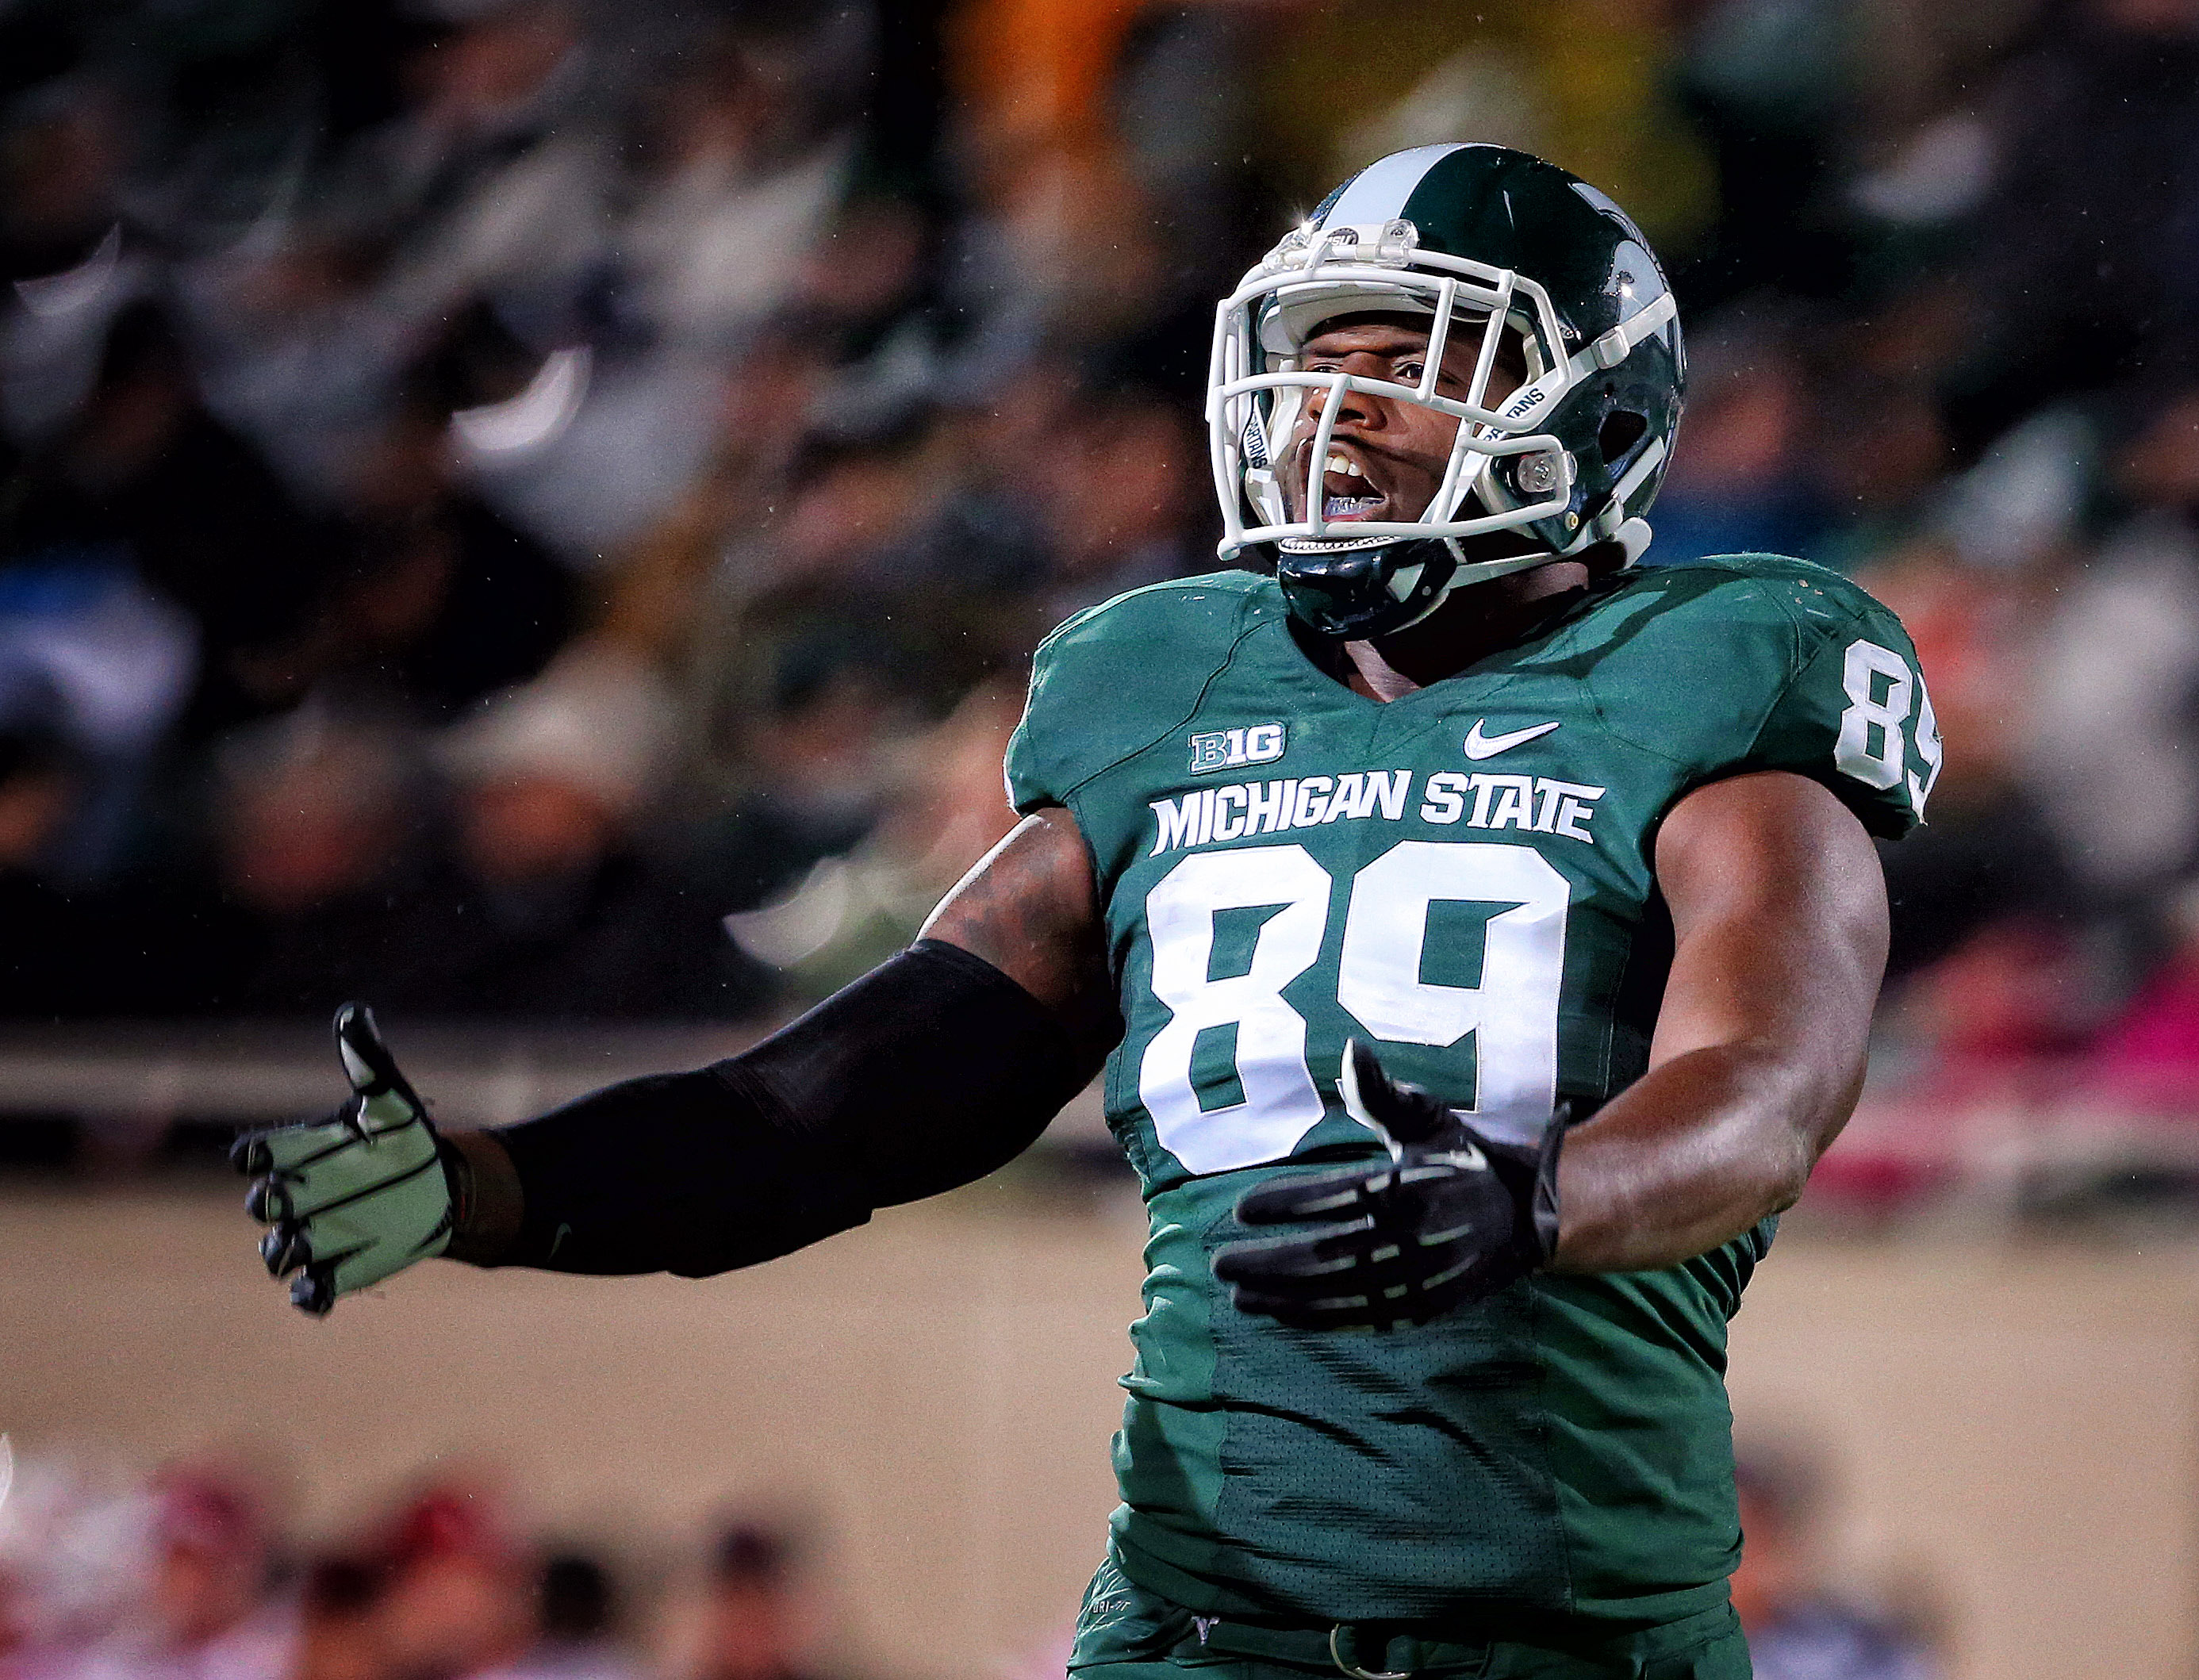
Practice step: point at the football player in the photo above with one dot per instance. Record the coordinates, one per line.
(1479, 936)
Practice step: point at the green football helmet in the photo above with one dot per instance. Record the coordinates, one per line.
(1479, 240)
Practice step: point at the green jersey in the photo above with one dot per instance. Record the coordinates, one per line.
(1463, 877)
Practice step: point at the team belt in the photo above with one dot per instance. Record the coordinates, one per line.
(1373, 1651)
(1364, 1651)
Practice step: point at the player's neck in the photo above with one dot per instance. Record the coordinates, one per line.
(1476, 622)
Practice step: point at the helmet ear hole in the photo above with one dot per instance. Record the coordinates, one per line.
(1621, 430)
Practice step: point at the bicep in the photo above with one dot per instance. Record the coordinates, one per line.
(1779, 922)
(1030, 907)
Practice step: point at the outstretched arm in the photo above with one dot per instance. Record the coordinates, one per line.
(935, 1069)
(1779, 922)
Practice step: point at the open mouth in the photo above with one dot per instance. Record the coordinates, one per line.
(1346, 493)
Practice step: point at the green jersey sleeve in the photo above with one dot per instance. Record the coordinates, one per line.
(1856, 717)
(1118, 677)
(1042, 762)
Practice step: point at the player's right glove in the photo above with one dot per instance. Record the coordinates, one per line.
(1455, 1215)
(357, 1197)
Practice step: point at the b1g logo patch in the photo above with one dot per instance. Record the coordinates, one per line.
(1232, 749)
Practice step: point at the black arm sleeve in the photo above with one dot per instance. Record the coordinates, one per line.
(931, 1070)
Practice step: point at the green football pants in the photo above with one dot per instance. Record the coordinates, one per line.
(1126, 1633)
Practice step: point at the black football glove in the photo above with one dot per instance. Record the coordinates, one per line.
(1457, 1216)
(358, 1196)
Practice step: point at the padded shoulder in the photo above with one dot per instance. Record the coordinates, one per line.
(1759, 662)
(1773, 591)
(1805, 592)
(1116, 677)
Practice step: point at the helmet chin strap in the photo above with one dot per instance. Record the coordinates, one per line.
(1470, 572)
(1613, 524)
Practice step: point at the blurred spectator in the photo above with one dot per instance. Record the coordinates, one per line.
(491, 176)
(442, 598)
(339, 1636)
(817, 745)
(1125, 491)
(2115, 674)
(1796, 1630)
(1991, 852)
(1740, 482)
(740, 173)
(1586, 83)
(37, 792)
(2081, 260)
(888, 543)
(588, 449)
(940, 811)
(63, 151)
(2148, 1057)
(550, 901)
(577, 1625)
(103, 1578)
(35, 797)
(60, 179)
(155, 944)
(145, 491)
(757, 1624)
(320, 824)
(2012, 995)
(1879, 451)
(1182, 102)
(1772, 89)
(207, 1615)
(293, 351)
(76, 1563)
(454, 1598)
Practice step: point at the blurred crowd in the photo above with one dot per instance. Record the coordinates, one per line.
(538, 507)
(190, 1575)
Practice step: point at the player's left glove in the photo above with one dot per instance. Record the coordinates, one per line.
(356, 1197)
(1457, 1216)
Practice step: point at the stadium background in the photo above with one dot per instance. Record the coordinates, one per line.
(533, 513)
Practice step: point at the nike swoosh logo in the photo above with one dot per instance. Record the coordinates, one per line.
(1479, 745)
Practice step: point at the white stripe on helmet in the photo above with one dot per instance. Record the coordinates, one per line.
(1378, 193)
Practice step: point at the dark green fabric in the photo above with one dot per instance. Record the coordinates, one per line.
(1563, 1449)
